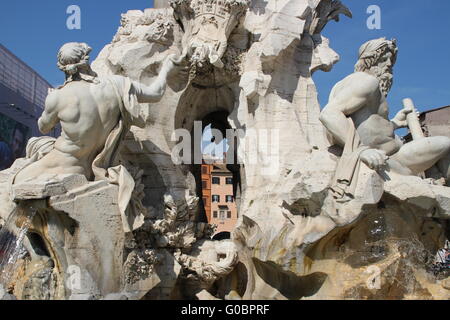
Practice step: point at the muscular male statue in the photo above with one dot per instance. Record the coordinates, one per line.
(361, 97)
(94, 113)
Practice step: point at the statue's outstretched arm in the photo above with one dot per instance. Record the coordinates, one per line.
(155, 92)
(49, 118)
(152, 93)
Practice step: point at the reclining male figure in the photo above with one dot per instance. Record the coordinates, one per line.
(361, 97)
(94, 113)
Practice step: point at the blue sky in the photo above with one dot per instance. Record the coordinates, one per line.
(34, 31)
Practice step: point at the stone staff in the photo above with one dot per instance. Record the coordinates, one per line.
(413, 120)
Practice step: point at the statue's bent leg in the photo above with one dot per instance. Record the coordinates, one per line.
(30, 172)
(52, 164)
(421, 155)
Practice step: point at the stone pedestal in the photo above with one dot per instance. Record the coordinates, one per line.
(82, 229)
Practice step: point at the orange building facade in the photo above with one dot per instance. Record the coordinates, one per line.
(218, 198)
(206, 189)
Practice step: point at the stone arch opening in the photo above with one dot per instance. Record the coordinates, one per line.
(217, 181)
(201, 109)
(196, 103)
(222, 236)
(38, 244)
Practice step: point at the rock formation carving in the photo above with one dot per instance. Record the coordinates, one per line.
(75, 152)
(331, 200)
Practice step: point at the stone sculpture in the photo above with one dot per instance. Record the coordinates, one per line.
(102, 108)
(305, 229)
(54, 180)
(357, 118)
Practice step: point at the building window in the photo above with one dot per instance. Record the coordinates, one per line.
(229, 180)
(204, 169)
(215, 214)
(222, 215)
(216, 198)
(216, 180)
(204, 184)
(230, 199)
(205, 201)
(229, 214)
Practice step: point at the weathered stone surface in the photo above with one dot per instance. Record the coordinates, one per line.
(285, 208)
(2, 292)
(294, 239)
(434, 199)
(6, 296)
(46, 186)
(446, 284)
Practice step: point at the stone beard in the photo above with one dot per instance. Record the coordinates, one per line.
(382, 71)
(385, 75)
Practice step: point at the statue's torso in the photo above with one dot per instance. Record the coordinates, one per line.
(88, 112)
(371, 121)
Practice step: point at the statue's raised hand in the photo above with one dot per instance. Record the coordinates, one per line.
(400, 119)
(174, 64)
(181, 60)
(168, 66)
(374, 158)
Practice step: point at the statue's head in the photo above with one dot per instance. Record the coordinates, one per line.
(378, 58)
(323, 57)
(73, 60)
(317, 16)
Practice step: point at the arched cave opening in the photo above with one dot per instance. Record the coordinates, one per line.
(217, 177)
(38, 244)
(222, 236)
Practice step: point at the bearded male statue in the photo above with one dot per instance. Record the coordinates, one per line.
(357, 118)
(95, 114)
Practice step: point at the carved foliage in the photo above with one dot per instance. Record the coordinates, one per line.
(206, 273)
(140, 264)
(176, 232)
(177, 229)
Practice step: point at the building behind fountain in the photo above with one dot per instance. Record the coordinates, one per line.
(22, 99)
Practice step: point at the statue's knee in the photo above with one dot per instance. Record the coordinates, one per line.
(446, 143)
(441, 143)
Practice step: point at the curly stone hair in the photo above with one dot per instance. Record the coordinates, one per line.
(372, 51)
(72, 56)
(73, 60)
(370, 56)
